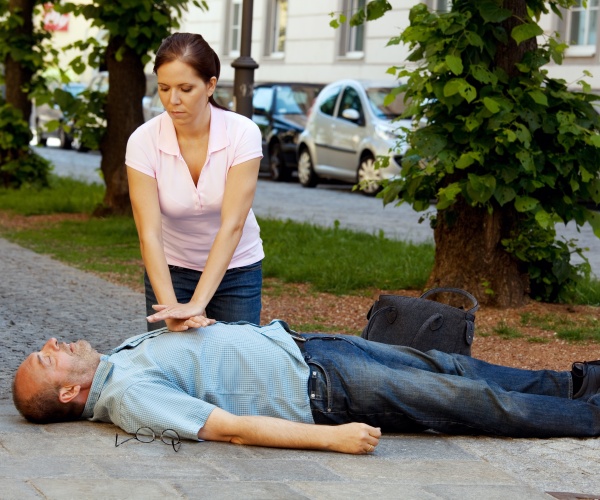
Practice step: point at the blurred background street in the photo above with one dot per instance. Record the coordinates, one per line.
(322, 206)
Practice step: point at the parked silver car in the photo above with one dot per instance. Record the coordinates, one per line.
(348, 128)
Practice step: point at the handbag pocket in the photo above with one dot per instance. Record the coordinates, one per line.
(421, 323)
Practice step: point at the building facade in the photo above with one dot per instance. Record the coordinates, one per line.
(292, 40)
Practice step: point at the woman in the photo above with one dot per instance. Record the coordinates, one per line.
(192, 177)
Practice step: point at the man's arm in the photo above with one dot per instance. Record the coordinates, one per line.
(353, 438)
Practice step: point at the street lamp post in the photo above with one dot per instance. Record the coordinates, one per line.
(243, 80)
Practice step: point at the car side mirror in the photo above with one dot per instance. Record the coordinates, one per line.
(352, 115)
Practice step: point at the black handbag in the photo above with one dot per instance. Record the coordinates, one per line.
(422, 324)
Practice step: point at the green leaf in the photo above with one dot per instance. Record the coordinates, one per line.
(525, 32)
(594, 219)
(504, 194)
(595, 140)
(491, 104)
(492, 12)
(447, 196)
(544, 219)
(455, 64)
(481, 187)
(467, 159)
(525, 203)
(538, 96)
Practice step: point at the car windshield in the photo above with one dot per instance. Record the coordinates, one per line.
(295, 99)
(74, 88)
(377, 96)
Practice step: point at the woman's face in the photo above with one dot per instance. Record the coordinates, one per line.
(183, 93)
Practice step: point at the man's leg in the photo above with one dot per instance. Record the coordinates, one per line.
(391, 387)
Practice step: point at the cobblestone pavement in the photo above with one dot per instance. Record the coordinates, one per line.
(43, 298)
(324, 206)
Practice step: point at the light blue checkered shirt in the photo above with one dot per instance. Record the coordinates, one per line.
(168, 380)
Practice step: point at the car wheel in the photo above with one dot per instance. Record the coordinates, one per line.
(368, 176)
(41, 140)
(306, 171)
(277, 168)
(65, 141)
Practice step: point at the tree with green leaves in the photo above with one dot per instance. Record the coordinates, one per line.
(134, 28)
(505, 150)
(22, 57)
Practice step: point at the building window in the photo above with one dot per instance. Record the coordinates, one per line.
(234, 21)
(582, 28)
(277, 16)
(352, 38)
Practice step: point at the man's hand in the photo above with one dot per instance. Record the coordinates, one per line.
(179, 317)
(355, 438)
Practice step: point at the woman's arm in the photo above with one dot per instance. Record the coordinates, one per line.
(353, 438)
(143, 192)
(237, 202)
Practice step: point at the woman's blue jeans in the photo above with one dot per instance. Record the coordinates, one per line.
(238, 297)
(404, 390)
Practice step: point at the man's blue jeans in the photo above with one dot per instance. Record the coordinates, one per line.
(403, 390)
(238, 297)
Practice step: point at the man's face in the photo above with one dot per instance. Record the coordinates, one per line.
(59, 364)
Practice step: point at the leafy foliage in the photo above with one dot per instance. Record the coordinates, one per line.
(522, 141)
(18, 164)
(138, 26)
(32, 51)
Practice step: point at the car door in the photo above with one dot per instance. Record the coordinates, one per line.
(348, 132)
(323, 128)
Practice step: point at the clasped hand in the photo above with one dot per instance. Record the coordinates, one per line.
(180, 317)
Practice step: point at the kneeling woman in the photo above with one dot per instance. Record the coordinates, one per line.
(192, 177)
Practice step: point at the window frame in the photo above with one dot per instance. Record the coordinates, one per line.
(349, 34)
(588, 50)
(273, 28)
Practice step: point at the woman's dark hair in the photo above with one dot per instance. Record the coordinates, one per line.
(193, 50)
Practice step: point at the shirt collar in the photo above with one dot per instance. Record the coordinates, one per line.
(218, 138)
(102, 373)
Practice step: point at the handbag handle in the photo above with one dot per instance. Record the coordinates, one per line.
(433, 291)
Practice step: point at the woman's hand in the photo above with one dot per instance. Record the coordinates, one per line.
(180, 317)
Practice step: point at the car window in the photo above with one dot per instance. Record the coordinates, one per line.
(350, 100)
(328, 99)
(263, 98)
(224, 96)
(295, 99)
(377, 95)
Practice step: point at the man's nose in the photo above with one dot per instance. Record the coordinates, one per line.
(52, 344)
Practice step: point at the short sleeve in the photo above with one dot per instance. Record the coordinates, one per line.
(141, 153)
(249, 144)
(160, 406)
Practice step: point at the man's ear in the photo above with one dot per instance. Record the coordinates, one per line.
(68, 393)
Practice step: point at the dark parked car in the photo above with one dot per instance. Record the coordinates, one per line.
(280, 110)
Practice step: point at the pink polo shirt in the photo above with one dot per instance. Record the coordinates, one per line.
(191, 215)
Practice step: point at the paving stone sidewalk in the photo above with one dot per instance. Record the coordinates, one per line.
(43, 298)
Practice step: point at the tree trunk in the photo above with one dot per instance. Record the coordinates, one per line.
(469, 255)
(471, 236)
(126, 89)
(16, 75)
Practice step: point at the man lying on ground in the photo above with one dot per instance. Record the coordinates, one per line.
(260, 385)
